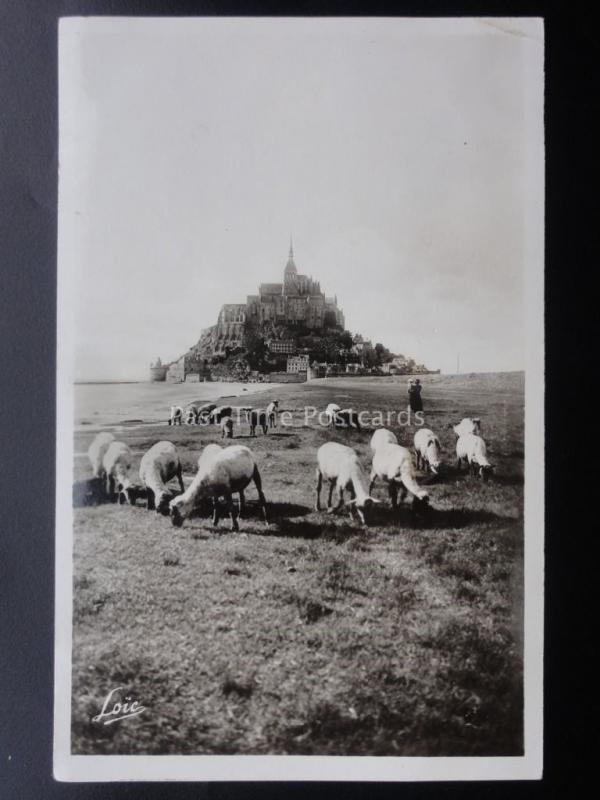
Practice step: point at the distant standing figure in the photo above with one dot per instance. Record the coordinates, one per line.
(415, 401)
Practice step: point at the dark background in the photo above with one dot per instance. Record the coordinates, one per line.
(28, 195)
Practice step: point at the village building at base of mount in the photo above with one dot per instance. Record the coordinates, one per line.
(287, 333)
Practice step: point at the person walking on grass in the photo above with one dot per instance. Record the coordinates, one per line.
(415, 402)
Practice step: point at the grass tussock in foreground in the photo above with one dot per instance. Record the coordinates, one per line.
(311, 636)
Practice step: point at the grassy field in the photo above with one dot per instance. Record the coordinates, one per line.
(314, 635)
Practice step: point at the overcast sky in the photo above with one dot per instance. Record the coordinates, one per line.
(399, 155)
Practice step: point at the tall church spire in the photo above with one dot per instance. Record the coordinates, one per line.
(290, 273)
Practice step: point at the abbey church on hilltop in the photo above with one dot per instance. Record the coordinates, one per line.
(298, 302)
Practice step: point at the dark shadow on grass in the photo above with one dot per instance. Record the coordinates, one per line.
(286, 510)
(500, 479)
(96, 494)
(459, 518)
(89, 492)
(262, 435)
(305, 529)
(511, 479)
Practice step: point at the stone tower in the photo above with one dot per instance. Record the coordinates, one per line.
(290, 273)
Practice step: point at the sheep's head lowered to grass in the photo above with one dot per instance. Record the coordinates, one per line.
(125, 492)
(180, 507)
(434, 458)
(162, 502)
(420, 504)
(485, 471)
(363, 508)
(176, 518)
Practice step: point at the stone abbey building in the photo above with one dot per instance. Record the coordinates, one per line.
(298, 302)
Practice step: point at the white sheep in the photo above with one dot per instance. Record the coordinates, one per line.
(393, 464)
(340, 466)
(226, 428)
(331, 411)
(428, 450)
(258, 418)
(272, 410)
(240, 414)
(468, 425)
(191, 415)
(175, 415)
(117, 463)
(96, 452)
(158, 466)
(221, 472)
(472, 450)
(204, 413)
(347, 417)
(382, 437)
(219, 413)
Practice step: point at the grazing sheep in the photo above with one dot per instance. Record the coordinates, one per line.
(96, 452)
(428, 450)
(472, 450)
(117, 464)
(272, 410)
(219, 413)
(204, 413)
(258, 417)
(382, 437)
(340, 466)
(176, 415)
(393, 464)
(191, 415)
(331, 411)
(468, 425)
(159, 465)
(347, 417)
(241, 412)
(221, 472)
(227, 428)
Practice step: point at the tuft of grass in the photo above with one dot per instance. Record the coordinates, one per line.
(243, 690)
(312, 611)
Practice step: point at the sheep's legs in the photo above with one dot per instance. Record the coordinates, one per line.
(261, 498)
(242, 506)
(372, 484)
(340, 502)
(215, 511)
(352, 506)
(330, 508)
(180, 479)
(232, 512)
(319, 485)
(150, 504)
(393, 492)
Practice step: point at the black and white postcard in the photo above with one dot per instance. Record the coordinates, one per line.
(300, 450)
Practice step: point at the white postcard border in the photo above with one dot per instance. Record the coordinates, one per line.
(83, 768)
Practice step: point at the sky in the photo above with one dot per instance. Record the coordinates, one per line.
(403, 156)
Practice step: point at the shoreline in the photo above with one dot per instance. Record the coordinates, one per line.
(102, 405)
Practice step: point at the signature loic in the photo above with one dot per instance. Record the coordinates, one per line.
(121, 709)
